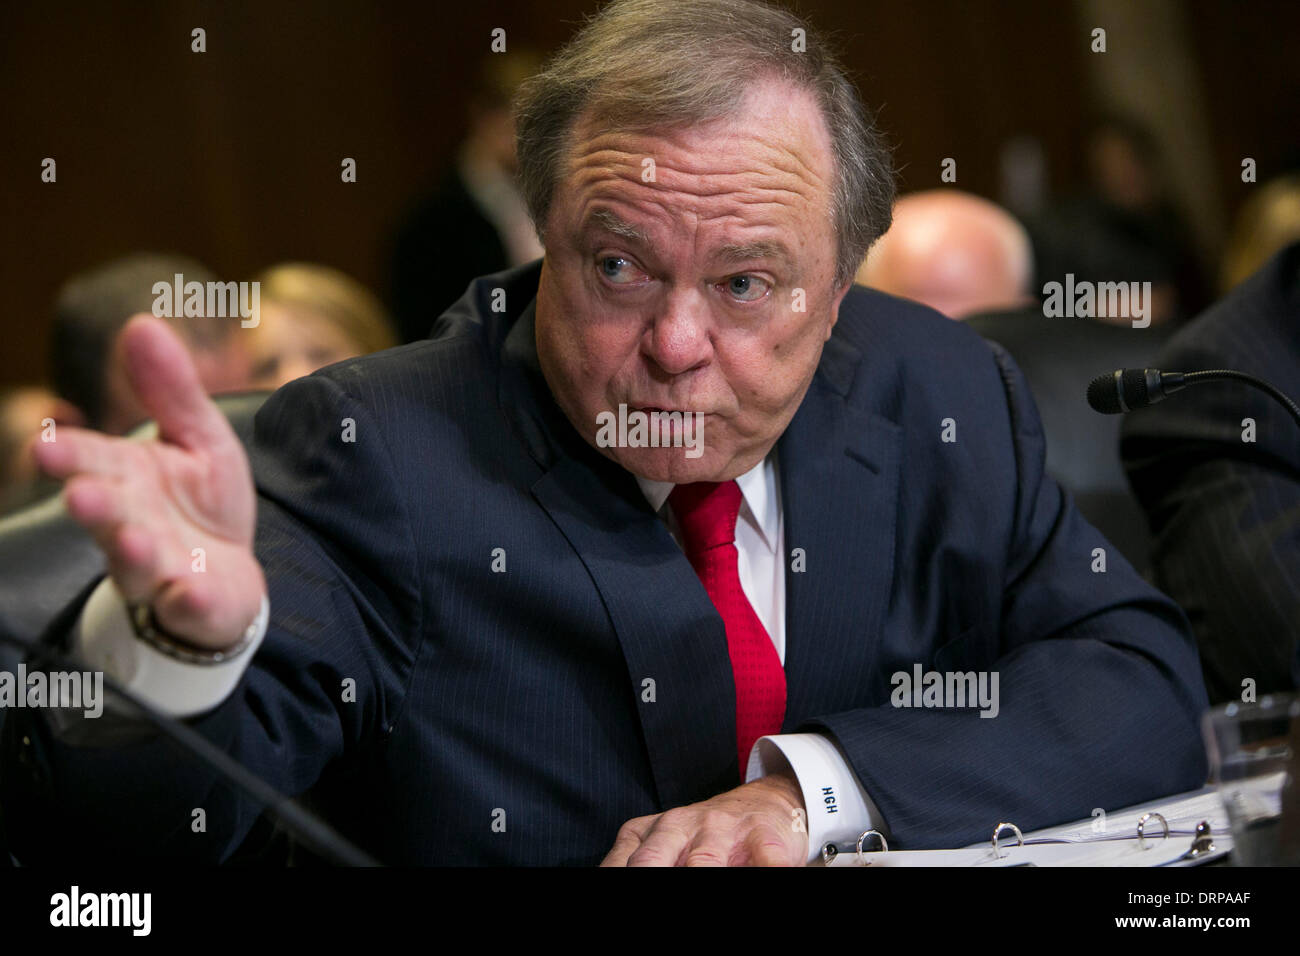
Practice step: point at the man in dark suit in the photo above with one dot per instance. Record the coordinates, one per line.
(1223, 493)
(501, 632)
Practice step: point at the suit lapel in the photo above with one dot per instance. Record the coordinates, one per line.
(668, 628)
(839, 489)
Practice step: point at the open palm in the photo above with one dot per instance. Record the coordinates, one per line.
(174, 514)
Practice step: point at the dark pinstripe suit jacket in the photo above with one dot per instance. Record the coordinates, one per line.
(1225, 512)
(518, 697)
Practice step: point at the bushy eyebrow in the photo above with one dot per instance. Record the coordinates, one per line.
(618, 226)
(759, 249)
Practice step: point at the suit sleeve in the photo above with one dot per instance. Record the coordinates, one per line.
(333, 537)
(1225, 521)
(1099, 686)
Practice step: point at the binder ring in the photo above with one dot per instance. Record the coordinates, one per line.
(1204, 842)
(1006, 826)
(884, 847)
(1142, 824)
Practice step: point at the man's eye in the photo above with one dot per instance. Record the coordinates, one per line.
(616, 269)
(747, 288)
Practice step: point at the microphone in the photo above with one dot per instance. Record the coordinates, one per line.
(1128, 388)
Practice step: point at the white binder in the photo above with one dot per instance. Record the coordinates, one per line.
(1185, 830)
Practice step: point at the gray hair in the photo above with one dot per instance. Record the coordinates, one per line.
(646, 64)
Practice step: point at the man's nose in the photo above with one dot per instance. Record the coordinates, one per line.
(678, 338)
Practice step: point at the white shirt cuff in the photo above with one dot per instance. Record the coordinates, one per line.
(105, 641)
(838, 808)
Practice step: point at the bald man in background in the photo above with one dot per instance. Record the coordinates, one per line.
(953, 251)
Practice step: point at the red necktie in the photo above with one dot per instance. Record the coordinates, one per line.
(706, 515)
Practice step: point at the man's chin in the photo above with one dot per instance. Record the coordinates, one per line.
(672, 464)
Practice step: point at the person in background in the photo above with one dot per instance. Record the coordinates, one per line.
(93, 306)
(312, 316)
(1122, 227)
(1269, 220)
(953, 251)
(1223, 495)
(475, 222)
(24, 412)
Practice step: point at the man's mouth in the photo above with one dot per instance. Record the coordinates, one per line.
(661, 409)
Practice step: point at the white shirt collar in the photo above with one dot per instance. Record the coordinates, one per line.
(760, 504)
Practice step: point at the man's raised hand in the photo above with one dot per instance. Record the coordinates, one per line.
(150, 504)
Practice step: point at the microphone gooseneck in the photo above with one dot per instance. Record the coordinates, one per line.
(1125, 389)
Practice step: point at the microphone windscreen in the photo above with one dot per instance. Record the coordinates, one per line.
(1113, 392)
(1103, 395)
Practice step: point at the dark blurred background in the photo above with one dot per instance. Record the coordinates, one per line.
(233, 155)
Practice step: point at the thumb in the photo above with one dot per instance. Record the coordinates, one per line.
(163, 377)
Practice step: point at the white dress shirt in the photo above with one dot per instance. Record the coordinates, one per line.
(838, 808)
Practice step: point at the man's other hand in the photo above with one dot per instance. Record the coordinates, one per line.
(758, 824)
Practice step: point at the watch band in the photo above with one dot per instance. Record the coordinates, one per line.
(146, 628)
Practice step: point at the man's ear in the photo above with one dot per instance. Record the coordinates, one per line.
(836, 298)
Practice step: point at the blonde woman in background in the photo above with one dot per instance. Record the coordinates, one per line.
(313, 316)
(1269, 220)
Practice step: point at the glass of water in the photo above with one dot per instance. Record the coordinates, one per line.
(1253, 752)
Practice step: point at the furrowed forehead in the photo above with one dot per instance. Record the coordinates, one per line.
(774, 137)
